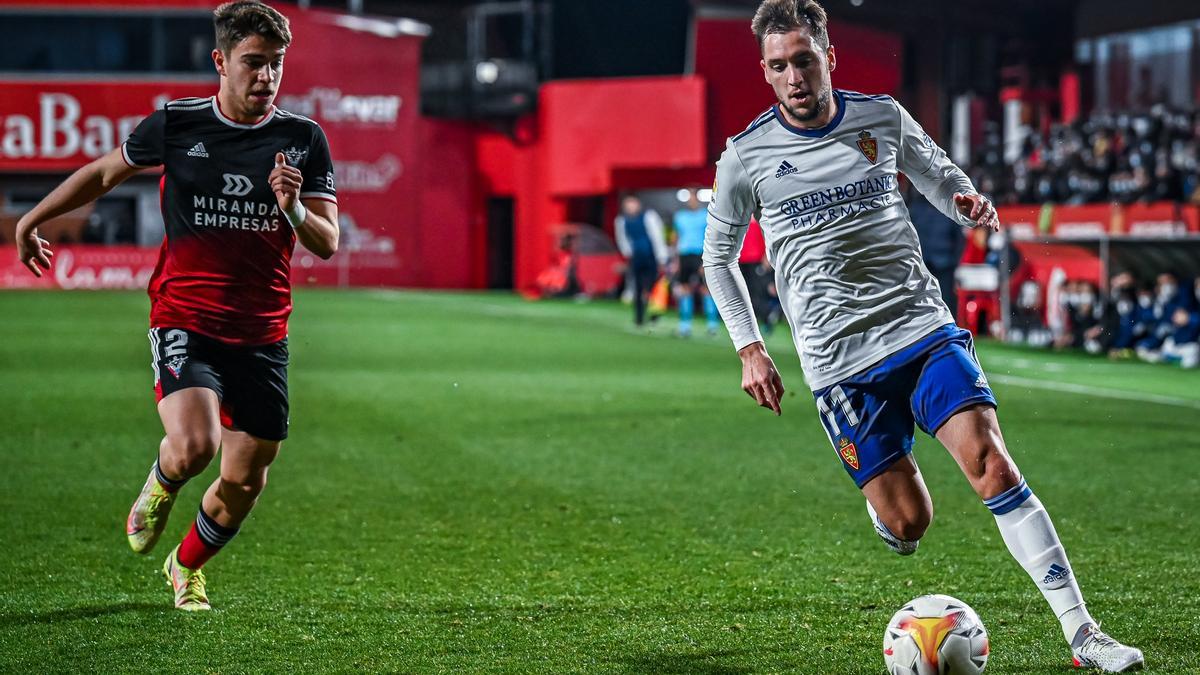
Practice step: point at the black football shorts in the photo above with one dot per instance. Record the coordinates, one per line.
(250, 382)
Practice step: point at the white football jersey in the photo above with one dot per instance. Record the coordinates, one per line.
(847, 261)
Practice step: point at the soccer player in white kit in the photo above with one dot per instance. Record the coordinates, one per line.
(878, 345)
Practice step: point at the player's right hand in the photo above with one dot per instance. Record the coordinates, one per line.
(760, 380)
(34, 252)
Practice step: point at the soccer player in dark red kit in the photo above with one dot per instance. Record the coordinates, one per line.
(242, 181)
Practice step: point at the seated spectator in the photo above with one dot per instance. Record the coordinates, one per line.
(1028, 321)
(1167, 298)
(1183, 345)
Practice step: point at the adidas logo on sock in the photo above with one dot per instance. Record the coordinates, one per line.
(1056, 573)
(785, 169)
(198, 151)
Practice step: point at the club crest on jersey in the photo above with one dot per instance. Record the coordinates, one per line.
(868, 146)
(295, 155)
(848, 452)
(175, 365)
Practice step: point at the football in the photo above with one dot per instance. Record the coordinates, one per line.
(935, 635)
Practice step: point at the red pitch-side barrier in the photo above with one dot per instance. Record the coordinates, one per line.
(1085, 221)
(95, 267)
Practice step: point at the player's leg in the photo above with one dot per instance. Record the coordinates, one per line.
(685, 293)
(973, 437)
(244, 463)
(899, 505)
(257, 423)
(189, 410)
(712, 318)
(871, 428)
(953, 401)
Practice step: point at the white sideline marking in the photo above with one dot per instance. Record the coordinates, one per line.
(1095, 391)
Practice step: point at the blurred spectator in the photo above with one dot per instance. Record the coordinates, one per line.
(1183, 345)
(1028, 324)
(1122, 157)
(689, 224)
(942, 243)
(1082, 312)
(639, 235)
(1120, 320)
(760, 277)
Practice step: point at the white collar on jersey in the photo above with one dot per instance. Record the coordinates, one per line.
(221, 116)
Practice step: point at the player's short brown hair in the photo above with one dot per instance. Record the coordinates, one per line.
(238, 20)
(784, 16)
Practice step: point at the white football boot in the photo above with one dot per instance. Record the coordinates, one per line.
(1097, 650)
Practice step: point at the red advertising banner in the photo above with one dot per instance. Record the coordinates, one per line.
(1160, 219)
(90, 268)
(357, 77)
(1020, 221)
(1083, 221)
(60, 126)
(95, 267)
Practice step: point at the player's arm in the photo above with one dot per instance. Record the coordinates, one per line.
(941, 181)
(319, 231)
(729, 215)
(314, 219)
(82, 187)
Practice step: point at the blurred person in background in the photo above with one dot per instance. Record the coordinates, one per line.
(1182, 346)
(760, 277)
(689, 223)
(1120, 317)
(640, 238)
(1028, 323)
(1167, 298)
(878, 346)
(942, 243)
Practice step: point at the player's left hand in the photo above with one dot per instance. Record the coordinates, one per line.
(285, 182)
(978, 209)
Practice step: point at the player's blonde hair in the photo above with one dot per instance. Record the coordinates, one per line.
(238, 20)
(784, 16)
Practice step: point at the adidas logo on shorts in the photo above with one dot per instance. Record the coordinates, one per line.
(198, 151)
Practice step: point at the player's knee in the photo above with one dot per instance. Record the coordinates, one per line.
(995, 472)
(194, 450)
(912, 526)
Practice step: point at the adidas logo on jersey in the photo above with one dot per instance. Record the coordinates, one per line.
(1056, 573)
(198, 151)
(785, 169)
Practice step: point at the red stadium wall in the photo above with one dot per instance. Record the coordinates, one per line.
(727, 57)
(583, 134)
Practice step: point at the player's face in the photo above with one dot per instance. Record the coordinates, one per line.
(250, 76)
(798, 70)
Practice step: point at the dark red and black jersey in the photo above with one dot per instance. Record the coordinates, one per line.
(224, 267)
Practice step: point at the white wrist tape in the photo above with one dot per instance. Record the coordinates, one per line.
(296, 216)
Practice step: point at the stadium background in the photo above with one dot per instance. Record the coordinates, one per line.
(469, 138)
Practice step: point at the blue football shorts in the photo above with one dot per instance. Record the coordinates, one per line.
(870, 416)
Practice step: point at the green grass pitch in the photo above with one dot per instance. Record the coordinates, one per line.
(475, 483)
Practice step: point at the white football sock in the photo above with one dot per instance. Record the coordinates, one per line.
(1031, 539)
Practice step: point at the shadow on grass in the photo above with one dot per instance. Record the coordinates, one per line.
(710, 662)
(76, 613)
